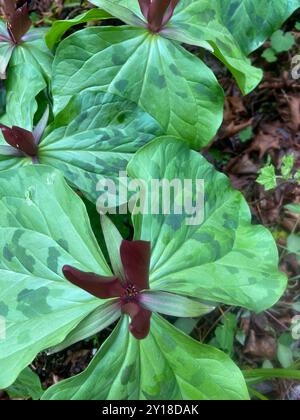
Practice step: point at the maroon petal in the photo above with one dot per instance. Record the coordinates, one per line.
(25, 141)
(156, 14)
(9, 7)
(100, 286)
(140, 319)
(144, 6)
(9, 136)
(20, 139)
(170, 12)
(19, 23)
(135, 257)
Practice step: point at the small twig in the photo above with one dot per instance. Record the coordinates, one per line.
(277, 321)
(216, 322)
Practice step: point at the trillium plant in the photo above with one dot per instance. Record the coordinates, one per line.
(17, 25)
(128, 289)
(93, 138)
(143, 61)
(157, 13)
(25, 61)
(83, 106)
(66, 288)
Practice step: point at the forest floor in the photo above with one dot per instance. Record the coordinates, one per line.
(261, 127)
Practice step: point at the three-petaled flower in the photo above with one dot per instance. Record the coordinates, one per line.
(157, 12)
(127, 290)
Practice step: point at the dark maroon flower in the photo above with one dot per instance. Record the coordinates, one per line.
(157, 12)
(20, 139)
(18, 21)
(135, 257)
(23, 142)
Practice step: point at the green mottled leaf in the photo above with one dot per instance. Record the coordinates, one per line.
(172, 85)
(113, 241)
(6, 51)
(9, 161)
(29, 66)
(224, 258)
(251, 22)
(117, 9)
(43, 226)
(168, 365)
(174, 305)
(233, 28)
(93, 137)
(21, 102)
(60, 27)
(98, 320)
(201, 21)
(35, 51)
(27, 385)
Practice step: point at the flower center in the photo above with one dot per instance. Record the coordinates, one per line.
(157, 13)
(130, 293)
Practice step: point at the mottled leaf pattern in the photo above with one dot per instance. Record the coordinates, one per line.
(6, 51)
(167, 365)
(252, 21)
(40, 307)
(28, 385)
(34, 51)
(21, 102)
(43, 310)
(169, 83)
(115, 89)
(30, 65)
(197, 23)
(11, 162)
(93, 137)
(224, 259)
(60, 27)
(96, 321)
(198, 20)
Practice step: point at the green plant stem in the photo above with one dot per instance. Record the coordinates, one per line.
(257, 394)
(253, 376)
